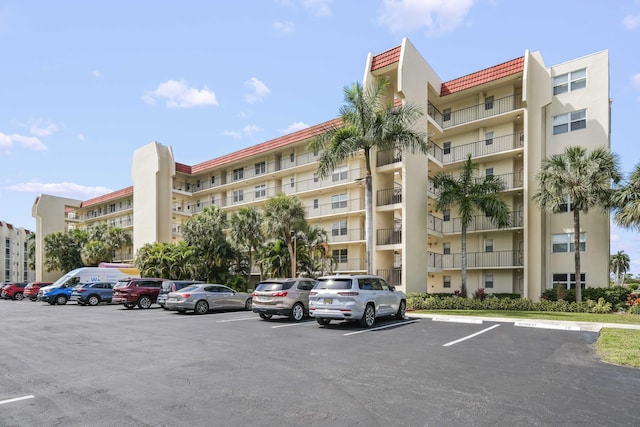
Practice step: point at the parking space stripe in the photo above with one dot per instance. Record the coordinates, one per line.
(381, 327)
(236, 320)
(470, 336)
(293, 324)
(457, 320)
(16, 399)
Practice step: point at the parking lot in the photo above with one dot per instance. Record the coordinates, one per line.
(105, 366)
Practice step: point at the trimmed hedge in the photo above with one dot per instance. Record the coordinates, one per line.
(616, 295)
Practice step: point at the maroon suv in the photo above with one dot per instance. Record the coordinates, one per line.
(13, 291)
(138, 291)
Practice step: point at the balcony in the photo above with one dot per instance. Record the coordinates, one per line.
(389, 196)
(343, 235)
(388, 236)
(388, 157)
(335, 208)
(434, 223)
(337, 178)
(391, 275)
(434, 261)
(485, 147)
(434, 151)
(350, 264)
(481, 223)
(512, 258)
(448, 119)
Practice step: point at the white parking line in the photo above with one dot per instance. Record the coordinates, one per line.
(16, 399)
(543, 325)
(236, 320)
(381, 327)
(456, 319)
(470, 336)
(293, 324)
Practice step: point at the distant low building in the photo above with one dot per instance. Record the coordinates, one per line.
(14, 256)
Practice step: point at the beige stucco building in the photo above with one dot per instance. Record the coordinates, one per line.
(509, 117)
(14, 257)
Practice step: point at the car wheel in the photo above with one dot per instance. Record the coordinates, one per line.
(265, 316)
(52, 303)
(129, 305)
(165, 307)
(144, 301)
(181, 311)
(369, 316)
(247, 304)
(61, 300)
(18, 296)
(402, 309)
(93, 300)
(202, 307)
(322, 321)
(297, 312)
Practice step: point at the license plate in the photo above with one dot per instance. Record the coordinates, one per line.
(328, 301)
(171, 299)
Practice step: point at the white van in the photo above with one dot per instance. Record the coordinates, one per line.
(60, 291)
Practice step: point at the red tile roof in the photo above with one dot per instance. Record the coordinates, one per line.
(181, 167)
(385, 58)
(484, 76)
(280, 142)
(105, 197)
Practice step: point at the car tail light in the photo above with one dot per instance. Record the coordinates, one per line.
(81, 290)
(349, 294)
(184, 296)
(253, 294)
(280, 294)
(313, 293)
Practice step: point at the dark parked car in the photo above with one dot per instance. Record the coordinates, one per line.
(138, 291)
(93, 293)
(31, 290)
(13, 291)
(172, 286)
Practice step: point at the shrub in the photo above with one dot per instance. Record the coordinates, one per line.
(479, 294)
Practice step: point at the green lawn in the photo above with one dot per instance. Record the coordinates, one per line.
(615, 345)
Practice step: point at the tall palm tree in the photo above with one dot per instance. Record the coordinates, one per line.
(619, 265)
(283, 216)
(626, 202)
(119, 239)
(582, 177)
(368, 123)
(470, 194)
(246, 232)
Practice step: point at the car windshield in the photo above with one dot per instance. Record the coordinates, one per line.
(269, 287)
(189, 288)
(333, 284)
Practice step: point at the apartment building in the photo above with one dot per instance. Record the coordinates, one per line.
(508, 117)
(14, 257)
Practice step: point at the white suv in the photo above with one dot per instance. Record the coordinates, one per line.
(360, 297)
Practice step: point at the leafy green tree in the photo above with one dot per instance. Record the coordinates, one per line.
(470, 194)
(158, 260)
(246, 233)
(118, 240)
(312, 251)
(274, 259)
(582, 177)
(98, 232)
(95, 252)
(31, 251)
(626, 202)
(283, 216)
(62, 250)
(369, 124)
(619, 265)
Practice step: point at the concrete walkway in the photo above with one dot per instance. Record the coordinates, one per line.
(527, 323)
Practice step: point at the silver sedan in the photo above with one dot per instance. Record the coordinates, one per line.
(204, 297)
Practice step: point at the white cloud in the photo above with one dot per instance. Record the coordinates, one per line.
(284, 27)
(39, 128)
(259, 90)
(63, 189)
(294, 127)
(635, 81)
(29, 142)
(438, 16)
(318, 7)
(246, 131)
(631, 22)
(179, 95)
(80, 137)
(96, 73)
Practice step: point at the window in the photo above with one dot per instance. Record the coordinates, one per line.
(339, 174)
(446, 248)
(570, 122)
(488, 172)
(568, 280)
(292, 157)
(446, 215)
(315, 177)
(568, 206)
(292, 182)
(570, 81)
(260, 168)
(488, 138)
(339, 201)
(488, 245)
(238, 196)
(238, 174)
(564, 242)
(198, 184)
(446, 281)
(446, 114)
(488, 103)
(446, 148)
(261, 190)
(315, 204)
(339, 228)
(213, 200)
(340, 255)
(213, 180)
(488, 281)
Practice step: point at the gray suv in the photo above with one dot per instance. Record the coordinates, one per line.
(283, 297)
(360, 297)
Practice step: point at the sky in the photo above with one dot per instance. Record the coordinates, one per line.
(85, 83)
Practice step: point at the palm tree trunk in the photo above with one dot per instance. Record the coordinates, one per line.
(463, 262)
(368, 196)
(617, 274)
(576, 251)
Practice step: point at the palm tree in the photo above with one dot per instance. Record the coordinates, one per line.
(283, 216)
(619, 265)
(582, 177)
(246, 232)
(119, 239)
(368, 123)
(471, 194)
(626, 202)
